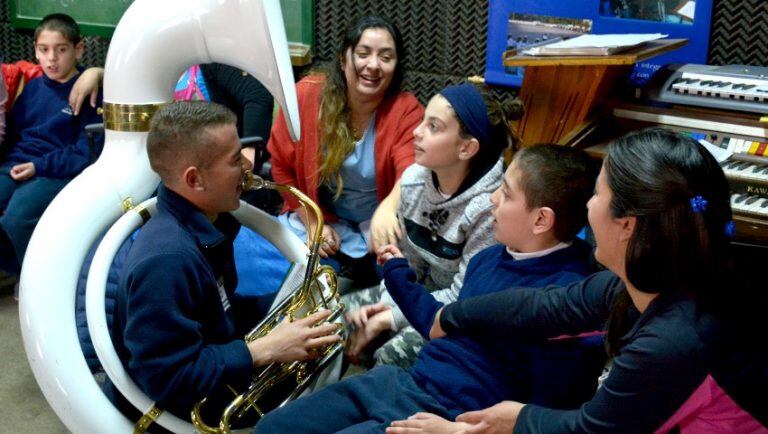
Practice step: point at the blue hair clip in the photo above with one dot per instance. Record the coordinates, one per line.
(698, 204)
(730, 228)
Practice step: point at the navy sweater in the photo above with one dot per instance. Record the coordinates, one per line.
(176, 318)
(43, 130)
(463, 373)
(665, 355)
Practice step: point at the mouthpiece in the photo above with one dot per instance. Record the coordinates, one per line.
(252, 182)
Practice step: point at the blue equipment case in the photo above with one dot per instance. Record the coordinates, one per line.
(602, 14)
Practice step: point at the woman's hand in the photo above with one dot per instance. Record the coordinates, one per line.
(385, 228)
(427, 423)
(387, 252)
(87, 85)
(501, 418)
(331, 242)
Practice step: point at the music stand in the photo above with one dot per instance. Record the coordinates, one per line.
(561, 92)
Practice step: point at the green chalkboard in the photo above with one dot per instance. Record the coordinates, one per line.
(96, 17)
(99, 17)
(299, 17)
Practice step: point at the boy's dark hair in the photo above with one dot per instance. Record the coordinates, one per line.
(61, 23)
(560, 178)
(178, 134)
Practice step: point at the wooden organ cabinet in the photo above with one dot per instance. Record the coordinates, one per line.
(571, 101)
(746, 170)
(737, 124)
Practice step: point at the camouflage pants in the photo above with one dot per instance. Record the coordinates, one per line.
(401, 348)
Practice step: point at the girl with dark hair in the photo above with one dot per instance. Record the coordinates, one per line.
(356, 141)
(661, 219)
(444, 212)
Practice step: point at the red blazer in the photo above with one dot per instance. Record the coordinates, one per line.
(295, 163)
(15, 75)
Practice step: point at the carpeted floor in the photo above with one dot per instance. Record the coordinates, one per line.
(22, 405)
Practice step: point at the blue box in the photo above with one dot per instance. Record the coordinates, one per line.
(541, 20)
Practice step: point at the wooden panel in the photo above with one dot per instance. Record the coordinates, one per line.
(560, 98)
(561, 93)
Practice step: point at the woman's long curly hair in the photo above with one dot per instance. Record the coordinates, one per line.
(337, 139)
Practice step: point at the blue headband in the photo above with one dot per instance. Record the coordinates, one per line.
(469, 106)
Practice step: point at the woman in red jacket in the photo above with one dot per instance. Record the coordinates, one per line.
(357, 139)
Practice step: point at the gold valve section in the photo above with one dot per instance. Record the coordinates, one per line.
(129, 117)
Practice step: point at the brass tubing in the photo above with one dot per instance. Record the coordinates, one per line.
(306, 300)
(252, 182)
(146, 420)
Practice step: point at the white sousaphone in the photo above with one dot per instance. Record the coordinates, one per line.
(153, 44)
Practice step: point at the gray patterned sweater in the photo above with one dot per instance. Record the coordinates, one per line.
(442, 235)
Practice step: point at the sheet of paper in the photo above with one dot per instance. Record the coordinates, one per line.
(719, 153)
(602, 41)
(687, 10)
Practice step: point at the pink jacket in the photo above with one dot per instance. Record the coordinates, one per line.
(710, 410)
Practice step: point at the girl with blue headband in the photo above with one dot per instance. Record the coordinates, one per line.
(444, 213)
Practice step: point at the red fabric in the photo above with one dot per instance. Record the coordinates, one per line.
(295, 163)
(12, 77)
(15, 75)
(29, 70)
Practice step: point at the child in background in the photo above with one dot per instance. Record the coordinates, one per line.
(444, 211)
(45, 145)
(537, 213)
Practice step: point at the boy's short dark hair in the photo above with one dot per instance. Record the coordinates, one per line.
(560, 178)
(178, 134)
(61, 23)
